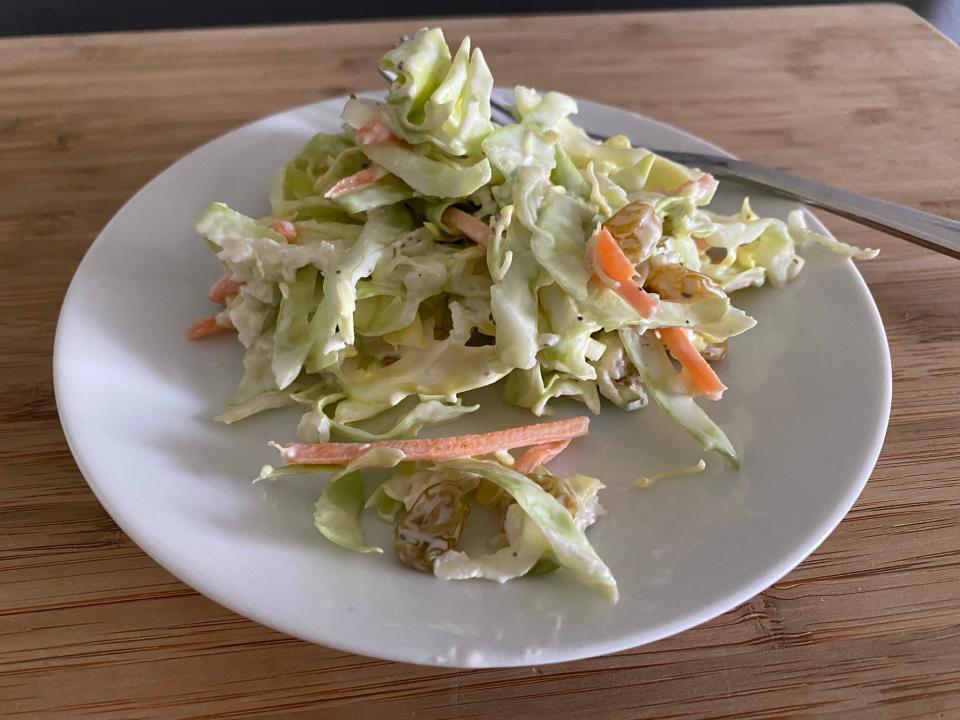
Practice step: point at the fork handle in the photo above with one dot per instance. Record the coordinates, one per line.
(934, 232)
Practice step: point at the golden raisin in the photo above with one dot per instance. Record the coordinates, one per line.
(431, 526)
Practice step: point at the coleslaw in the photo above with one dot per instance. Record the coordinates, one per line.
(425, 251)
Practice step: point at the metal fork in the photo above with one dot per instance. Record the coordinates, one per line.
(933, 232)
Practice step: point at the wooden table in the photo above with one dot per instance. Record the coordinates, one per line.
(869, 626)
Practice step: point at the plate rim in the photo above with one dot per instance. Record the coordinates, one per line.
(720, 605)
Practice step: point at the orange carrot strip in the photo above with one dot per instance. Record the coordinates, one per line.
(472, 227)
(613, 260)
(223, 289)
(539, 455)
(285, 228)
(437, 449)
(617, 266)
(697, 370)
(638, 298)
(376, 132)
(206, 327)
(705, 184)
(357, 181)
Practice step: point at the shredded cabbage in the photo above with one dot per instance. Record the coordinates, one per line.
(336, 513)
(564, 540)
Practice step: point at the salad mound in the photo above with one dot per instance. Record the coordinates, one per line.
(425, 251)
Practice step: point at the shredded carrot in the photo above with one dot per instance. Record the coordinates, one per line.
(206, 327)
(613, 260)
(285, 228)
(638, 298)
(357, 181)
(615, 264)
(697, 370)
(539, 455)
(376, 132)
(437, 449)
(706, 184)
(223, 289)
(472, 227)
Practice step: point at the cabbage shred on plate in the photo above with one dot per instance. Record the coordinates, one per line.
(425, 251)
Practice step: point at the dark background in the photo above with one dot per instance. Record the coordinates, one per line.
(33, 17)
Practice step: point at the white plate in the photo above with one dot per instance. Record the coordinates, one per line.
(808, 405)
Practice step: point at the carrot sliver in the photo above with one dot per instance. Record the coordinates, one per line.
(472, 227)
(357, 181)
(704, 184)
(206, 327)
(437, 449)
(539, 455)
(376, 132)
(223, 289)
(285, 228)
(698, 371)
(613, 260)
(615, 264)
(638, 298)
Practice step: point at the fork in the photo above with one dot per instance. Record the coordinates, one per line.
(934, 232)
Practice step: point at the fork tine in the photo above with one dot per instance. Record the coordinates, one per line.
(500, 112)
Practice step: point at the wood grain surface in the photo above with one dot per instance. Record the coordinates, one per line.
(866, 97)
